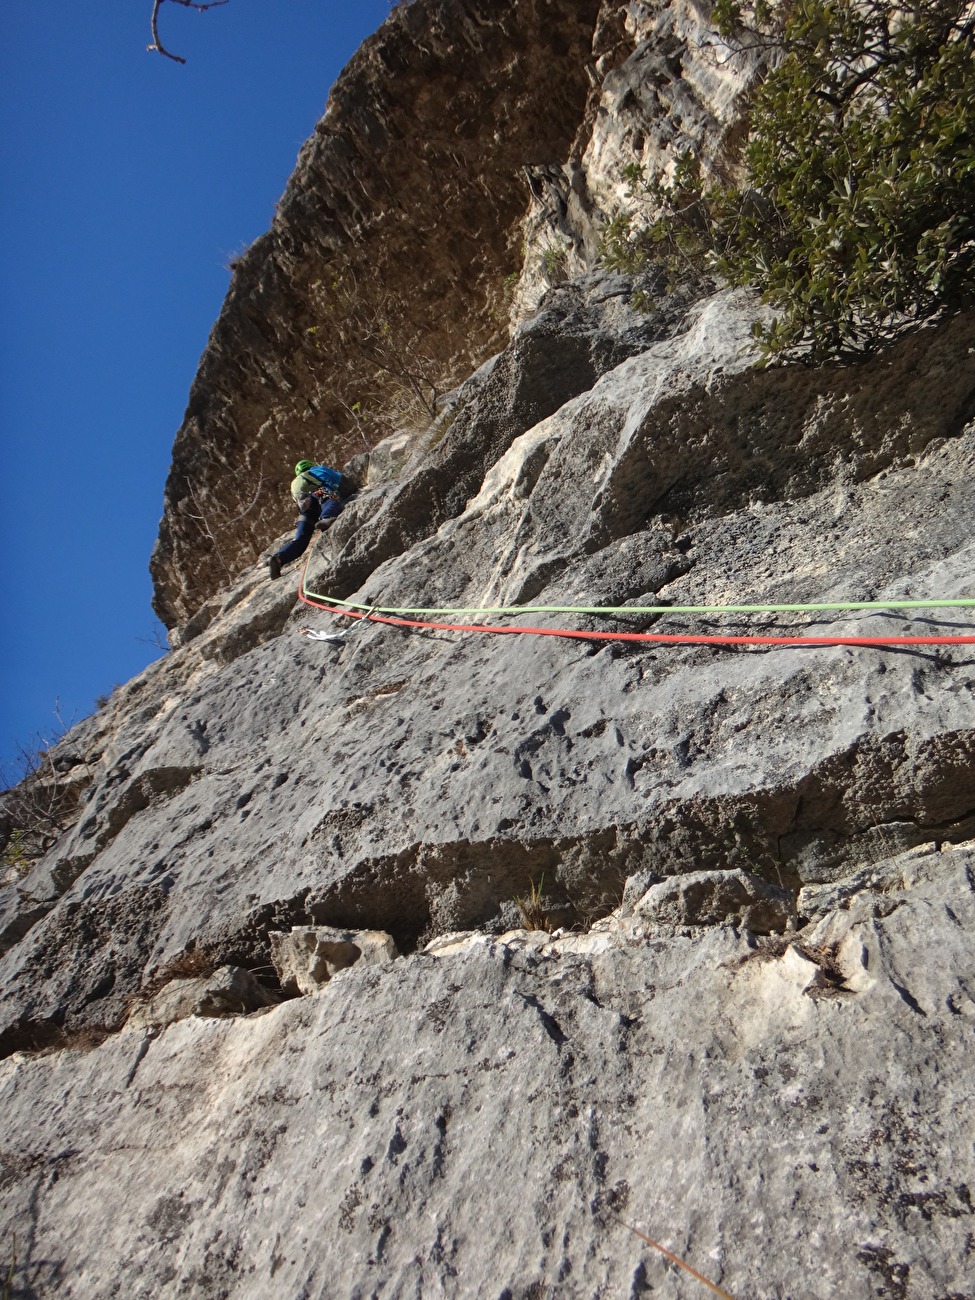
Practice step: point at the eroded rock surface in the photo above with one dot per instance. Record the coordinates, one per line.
(711, 897)
(792, 1117)
(474, 148)
(415, 174)
(229, 991)
(687, 926)
(418, 782)
(307, 957)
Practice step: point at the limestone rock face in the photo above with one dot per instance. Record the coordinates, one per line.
(663, 83)
(307, 957)
(791, 1117)
(419, 782)
(229, 991)
(711, 897)
(415, 175)
(686, 925)
(467, 160)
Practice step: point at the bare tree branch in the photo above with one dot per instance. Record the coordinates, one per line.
(372, 328)
(157, 46)
(216, 519)
(39, 799)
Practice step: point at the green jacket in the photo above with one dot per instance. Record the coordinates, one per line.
(303, 486)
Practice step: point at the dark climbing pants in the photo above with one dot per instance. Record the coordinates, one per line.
(310, 517)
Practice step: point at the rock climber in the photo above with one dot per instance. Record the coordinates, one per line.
(320, 494)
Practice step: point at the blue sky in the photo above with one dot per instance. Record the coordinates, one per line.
(126, 183)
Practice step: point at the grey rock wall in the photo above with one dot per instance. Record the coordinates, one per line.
(465, 141)
(662, 83)
(418, 782)
(687, 928)
(792, 1117)
(414, 176)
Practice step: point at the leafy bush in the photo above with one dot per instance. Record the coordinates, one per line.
(555, 262)
(15, 858)
(859, 214)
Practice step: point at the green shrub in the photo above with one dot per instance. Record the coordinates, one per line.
(858, 217)
(555, 263)
(15, 856)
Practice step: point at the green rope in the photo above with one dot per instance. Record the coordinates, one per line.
(965, 603)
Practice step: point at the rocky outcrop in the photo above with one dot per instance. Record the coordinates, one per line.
(229, 991)
(791, 1116)
(712, 897)
(415, 176)
(419, 782)
(410, 961)
(307, 956)
(466, 161)
(663, 83)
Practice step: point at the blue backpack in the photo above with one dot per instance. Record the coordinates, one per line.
(329, 479)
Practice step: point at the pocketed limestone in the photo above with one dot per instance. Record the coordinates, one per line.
(714, 897)
(229, 991)
(307, 957)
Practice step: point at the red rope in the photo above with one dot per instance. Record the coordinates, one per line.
(657, 637)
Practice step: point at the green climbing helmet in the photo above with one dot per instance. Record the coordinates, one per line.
(302, 466)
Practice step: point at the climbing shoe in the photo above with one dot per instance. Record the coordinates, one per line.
(274, 567)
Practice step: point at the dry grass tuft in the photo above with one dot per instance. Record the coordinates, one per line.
(532, 909)
(187, 966)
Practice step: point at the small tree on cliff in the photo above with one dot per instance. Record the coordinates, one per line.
(39, 799)
(859, 214)
(370, 327)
